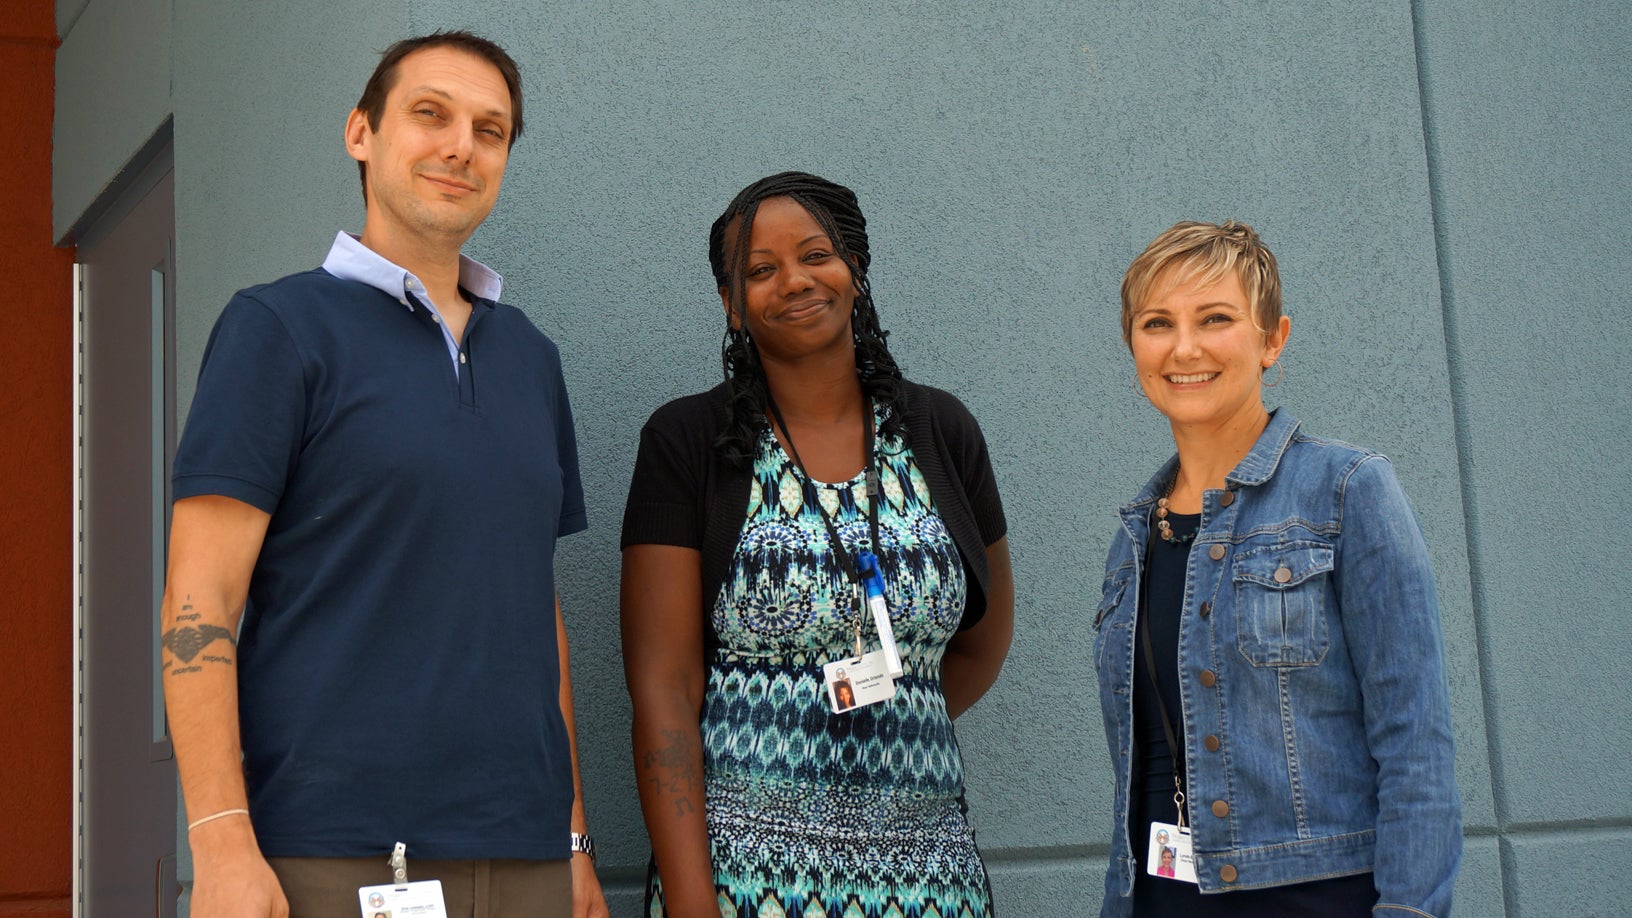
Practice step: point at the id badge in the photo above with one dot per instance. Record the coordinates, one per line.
(855, 682)
(422, 899)
(1170, 855)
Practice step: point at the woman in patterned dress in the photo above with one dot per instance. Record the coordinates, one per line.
(765, 795)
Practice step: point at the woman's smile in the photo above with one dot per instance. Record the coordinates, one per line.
(1182, 379)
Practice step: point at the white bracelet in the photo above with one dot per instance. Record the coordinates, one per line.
(213, 817)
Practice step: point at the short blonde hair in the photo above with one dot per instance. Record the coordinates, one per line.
(1202, 253)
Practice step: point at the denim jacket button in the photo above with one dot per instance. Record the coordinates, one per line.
(1227, 498)
(1221, 809)
(1283, 574)
(1227, 873)
(1211, 742)
(1209, 678)
(1206, 608)
(1216, 552)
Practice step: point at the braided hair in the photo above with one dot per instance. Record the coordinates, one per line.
(836, 211)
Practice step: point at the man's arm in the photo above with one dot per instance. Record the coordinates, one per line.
(214, 542)
(587, 899)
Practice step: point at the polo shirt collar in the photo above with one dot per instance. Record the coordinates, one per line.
(349, 259)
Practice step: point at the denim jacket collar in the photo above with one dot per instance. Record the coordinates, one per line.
(1257, 467)
(1259, 464)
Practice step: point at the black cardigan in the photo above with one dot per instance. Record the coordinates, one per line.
(685, 493)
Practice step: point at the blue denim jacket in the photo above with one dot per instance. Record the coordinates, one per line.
(1317, 724)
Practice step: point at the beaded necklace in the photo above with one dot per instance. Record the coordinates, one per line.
(1163, 527)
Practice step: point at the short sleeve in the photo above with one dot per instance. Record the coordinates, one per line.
(244, 429)
(574, 517)
(665, 493)
(974, 468)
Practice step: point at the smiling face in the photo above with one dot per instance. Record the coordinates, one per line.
(1199, 356)
(437, 158)
(797, 292)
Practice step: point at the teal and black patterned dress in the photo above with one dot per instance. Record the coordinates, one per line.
(813, 814)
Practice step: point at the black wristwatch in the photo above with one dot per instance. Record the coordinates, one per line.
(582, 842)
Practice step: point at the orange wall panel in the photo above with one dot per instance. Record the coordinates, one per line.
(36, 487)
(29, 20)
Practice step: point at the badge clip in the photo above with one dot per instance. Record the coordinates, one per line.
(399, 864)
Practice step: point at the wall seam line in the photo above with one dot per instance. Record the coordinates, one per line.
(1462, 439)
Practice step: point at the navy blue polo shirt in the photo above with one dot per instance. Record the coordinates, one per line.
(398, 673)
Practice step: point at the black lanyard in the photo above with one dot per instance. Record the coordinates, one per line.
(847, 563)
(1155, 686)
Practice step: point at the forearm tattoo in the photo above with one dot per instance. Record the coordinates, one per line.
(672, 770)
(186, 642)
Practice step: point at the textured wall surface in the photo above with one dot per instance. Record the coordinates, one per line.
(36, 493)
(1533, 196)
(1441, 189)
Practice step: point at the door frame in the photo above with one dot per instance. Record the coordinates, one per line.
(145, 171)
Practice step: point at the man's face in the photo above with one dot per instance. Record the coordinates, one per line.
(436, 162)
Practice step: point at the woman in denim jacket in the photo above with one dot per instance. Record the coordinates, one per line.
(1269, 610)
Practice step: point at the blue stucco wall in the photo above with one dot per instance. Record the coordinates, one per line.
(1528, 131)
(1444, 185)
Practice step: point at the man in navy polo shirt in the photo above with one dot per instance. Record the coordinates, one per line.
(378, 461)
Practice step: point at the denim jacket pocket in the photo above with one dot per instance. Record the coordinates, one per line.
(1280, 603)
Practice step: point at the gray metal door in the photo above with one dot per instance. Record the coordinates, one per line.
(126, 805)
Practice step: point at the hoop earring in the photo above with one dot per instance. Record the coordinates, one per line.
(1280, 376)
(1138, 389)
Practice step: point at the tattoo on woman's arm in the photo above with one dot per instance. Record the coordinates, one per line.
(672, 770)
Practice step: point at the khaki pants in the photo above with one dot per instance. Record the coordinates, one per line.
(326, 887)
